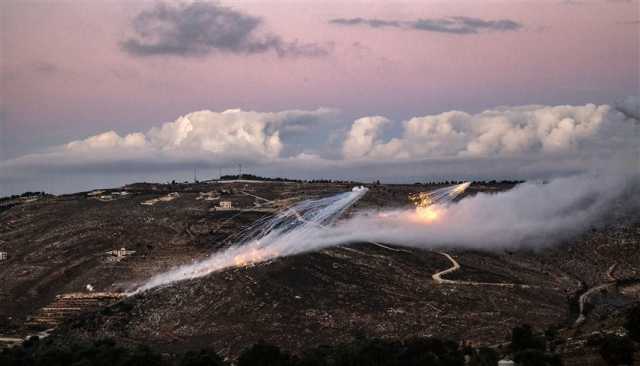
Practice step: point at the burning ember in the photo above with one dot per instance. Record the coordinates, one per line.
(253, 256)
(430, 205)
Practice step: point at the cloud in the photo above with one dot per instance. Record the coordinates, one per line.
(374, 23)
(630, 107)
(505, 132)
(526, 142)
(363, 136)
(453, 25)
(200, 28)
(206, 137)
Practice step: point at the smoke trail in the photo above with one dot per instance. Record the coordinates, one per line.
(531, 214)
(285, 234)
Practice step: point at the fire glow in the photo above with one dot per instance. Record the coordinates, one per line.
(432, 206)
(286, 233)
(437, 219)
(253, 256)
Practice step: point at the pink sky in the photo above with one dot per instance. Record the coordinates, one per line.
(65, 76)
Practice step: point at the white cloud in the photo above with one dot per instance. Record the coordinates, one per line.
(204, 138)
(223, 136)
(363, 136)
(501, 132)
(108, 140)
(507, 142)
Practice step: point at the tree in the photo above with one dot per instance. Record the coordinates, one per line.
(536, 357)
(202, 358)
(262, 354)
(632, 323)
(484, 357)
(522, 338)
(617, 350)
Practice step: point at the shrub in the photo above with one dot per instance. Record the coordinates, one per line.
(202, 358)
(523, 338)
(262, 354)
(632, 323)
(617, 350)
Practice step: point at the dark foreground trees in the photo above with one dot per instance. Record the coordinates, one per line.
(532, 349)
(360, 352)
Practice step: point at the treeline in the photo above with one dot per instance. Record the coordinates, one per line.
(360, 352)
(256, 177)
(527, 348)
(279, 179)
(23, 195)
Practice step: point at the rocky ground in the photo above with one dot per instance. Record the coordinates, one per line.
(58, 245)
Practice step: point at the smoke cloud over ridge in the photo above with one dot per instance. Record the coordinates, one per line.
(531, 215)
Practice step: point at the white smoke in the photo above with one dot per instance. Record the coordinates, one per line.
(533, 214)
(285, 234)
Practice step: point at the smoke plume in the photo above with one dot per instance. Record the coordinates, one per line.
(534, 214)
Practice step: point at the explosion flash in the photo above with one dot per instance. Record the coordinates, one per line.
(430, 206)
(281, 235)
(253, 256)
(306, 226)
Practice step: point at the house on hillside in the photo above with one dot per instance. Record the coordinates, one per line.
(3, 256)
(120, 253)
(226, 205)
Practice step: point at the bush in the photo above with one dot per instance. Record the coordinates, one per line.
(632, 323)
(484, 357)
(202, 358)
(262, 354)
(379, 352)
(536, 357)
(617, 350)
(102, 352)
(523, 338)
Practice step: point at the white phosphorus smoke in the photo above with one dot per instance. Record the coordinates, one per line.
(534, 214)
(284, 234)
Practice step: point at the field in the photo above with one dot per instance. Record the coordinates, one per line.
(59, 276)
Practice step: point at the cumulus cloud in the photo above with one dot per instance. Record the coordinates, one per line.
(363, 136)
(526, 142)
(452, 25)
(200, 28)
(501, 132)
(630, 107)
(217, 138)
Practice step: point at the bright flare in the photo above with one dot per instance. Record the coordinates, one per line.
(430, 205)
(427, 214)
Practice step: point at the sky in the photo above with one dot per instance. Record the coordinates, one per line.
(103, 93)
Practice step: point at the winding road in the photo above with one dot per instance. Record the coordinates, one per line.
(437, 277)
(584, 298)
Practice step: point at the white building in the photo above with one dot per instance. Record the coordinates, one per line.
(226, 205)
(506, 363)
(3, 256)
(122, 252)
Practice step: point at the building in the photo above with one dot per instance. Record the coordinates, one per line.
(3, 256)
(122, 252)
(506, 362)
(226, 205)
